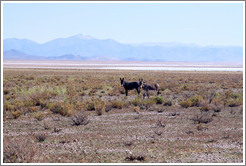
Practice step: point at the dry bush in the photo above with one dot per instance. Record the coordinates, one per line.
(136, 109)
(108, 106)
(18, 151)
(200, 127)
(117, 104)
(89, 105)
(56, 130)
(71, 93)
(161, 123)
(41, 137)
(80, 118)
(39, 98)
(216, 108)
(135, 158)
(205, 108)
(185, 104)
(167, 103)
(16, 114)
(136, 102)
(33, 108)
(196, 100)
(62, 108)
(159, 100)
(39, 116)
(99, 106)
(202, 117)
(46, 125)
(234, 102)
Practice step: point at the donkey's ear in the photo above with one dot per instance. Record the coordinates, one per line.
(120, 78)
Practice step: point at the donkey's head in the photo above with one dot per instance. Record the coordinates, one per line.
(122, 82)
(141, 82)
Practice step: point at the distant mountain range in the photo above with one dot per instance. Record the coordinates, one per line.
(83, 47)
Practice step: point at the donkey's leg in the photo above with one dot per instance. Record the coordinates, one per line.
(138, 90)
(148, 94)
(126, 92)
(144, 94)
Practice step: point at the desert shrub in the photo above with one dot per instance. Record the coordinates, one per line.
(228, 98)
(160, 123)
(6, 91)
(136, 109)
(117, 104)
(39, 98)
(89, 105)
(39, 116)
(192, 101)
(7, 106)
(196, 100)
(62, 108)
(159, 100)
(199, 127)
(46, 125)
(136, 102)
(80, 118)
(41, 137)
(202, 117)
(135, 158)
(149, 102)
(99, 106)
(108, 106)
(205, 108)
(218, 99)
(16, 114)
(71, 93)
(167, 92)
(80, 105)
(33, 108)
(167, 103)
(185, 104)
(216, 108)
(18, 151)
(234, 102)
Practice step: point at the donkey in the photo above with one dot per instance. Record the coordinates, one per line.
(131, 85)
(147, 87)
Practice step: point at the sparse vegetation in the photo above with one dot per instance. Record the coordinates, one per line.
(51, 116)
(80, 118)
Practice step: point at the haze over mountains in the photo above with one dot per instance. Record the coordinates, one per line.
(84, 47)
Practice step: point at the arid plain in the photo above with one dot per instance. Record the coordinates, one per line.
(83, 116)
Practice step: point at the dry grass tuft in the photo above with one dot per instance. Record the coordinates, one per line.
(80, 118)
(41, 137)
(202, 117)
(18, 151)
(99, 106)
(39, 116)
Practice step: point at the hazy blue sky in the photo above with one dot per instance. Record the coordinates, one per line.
(199, 23)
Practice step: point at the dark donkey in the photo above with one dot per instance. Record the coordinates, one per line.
(131, 85)
(147, 87)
